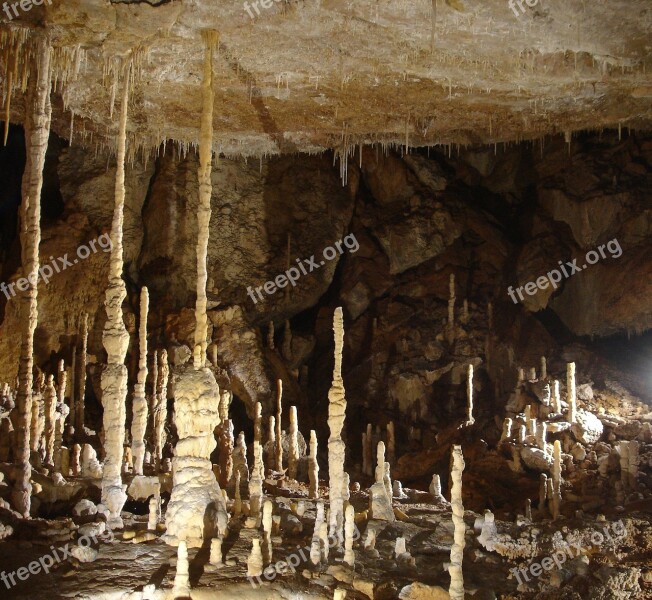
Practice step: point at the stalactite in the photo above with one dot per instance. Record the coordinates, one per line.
(456, 589)
(336, 446)
(83, 359)
(37, 130)
(139, 417)
(116, 340)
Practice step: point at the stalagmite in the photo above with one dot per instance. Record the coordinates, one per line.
(313, 467)
(435, 488)
(528, 509)
(293, 444)
(270, 446)
(38, 111)
(279, 431)
(80, 405)
(75, 460)
(181, 578)
(139, 417)
(456, 589)
(572, 394)
(240, 457)
(541, 432)
(469, 396)
(216, 558)
(197, 508)
(543, 491)
(255, 560)
(161, 406)
(349, 527)
(226, 452)
(556, 479)
(256, 485)
(50, 401)
(380, 462)
(507, 430)
(237, 499)
(544, 368)
(336, 447)
(267, 531)
(116, 340)
(556, 398)
(391, 443)
(60, 420)
(315, 547)
(258, 423)
(152, 521)
(37, 422)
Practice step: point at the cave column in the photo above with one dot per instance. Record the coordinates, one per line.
(456, 589)
(116, 339)
(38, 114)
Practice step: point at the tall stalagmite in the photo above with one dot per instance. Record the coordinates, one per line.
(83, 358)
(161, 406)
(116, 340)
(197, 509)
(456, 589)
(139, 418)
(38, 113)
(572, 393)
(336, 447)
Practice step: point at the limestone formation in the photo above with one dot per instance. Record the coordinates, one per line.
(507, 430)
(237, 500)
(313, 467)
(226, 452)
(279, 431)
(456, 589)
(293, 444)
(255, 560)
(267, 531)
(336, 447)
(270, 446)
(556, 480)
(349, 527)
(556, 398)
(571, 392)
(216, 558)
(544, 368)
(315, 547)
(37, 422)
(83, 359)
(50, 402)
(160, 406)
(628, 452)
(75, 460)
(37, 130)
(116, 338)
(240, 457)
(469, 396)
(139, 410)
(152, 521)
(258, 423)
(380, 504)
(181, 577)
(256, 484)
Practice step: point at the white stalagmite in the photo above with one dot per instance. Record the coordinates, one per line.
(571, 391)
(469, 396)
(258, 423)
(349, 527)
(507, 429)
(152, 520)
(456, 589)
(37, 422)
(38, 112)
(270, 446)
(556, 480)
(161, 406)
(313, 467)
(336, 446)
(240, 457)
(50, 401)
(315, 547)
(255, 560)
(83, 359)
(226, 452)
(267, 531)
(293, 444)
(391, 443)
(197, 509)
(116, 339)
(279, 431)
(237, 499)
(181, 578)
(60, 418)
(542, 430)
(556, 398)
(216, 552)
(544, 368)
(75, 460)
(256, 485)
(139, 418)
